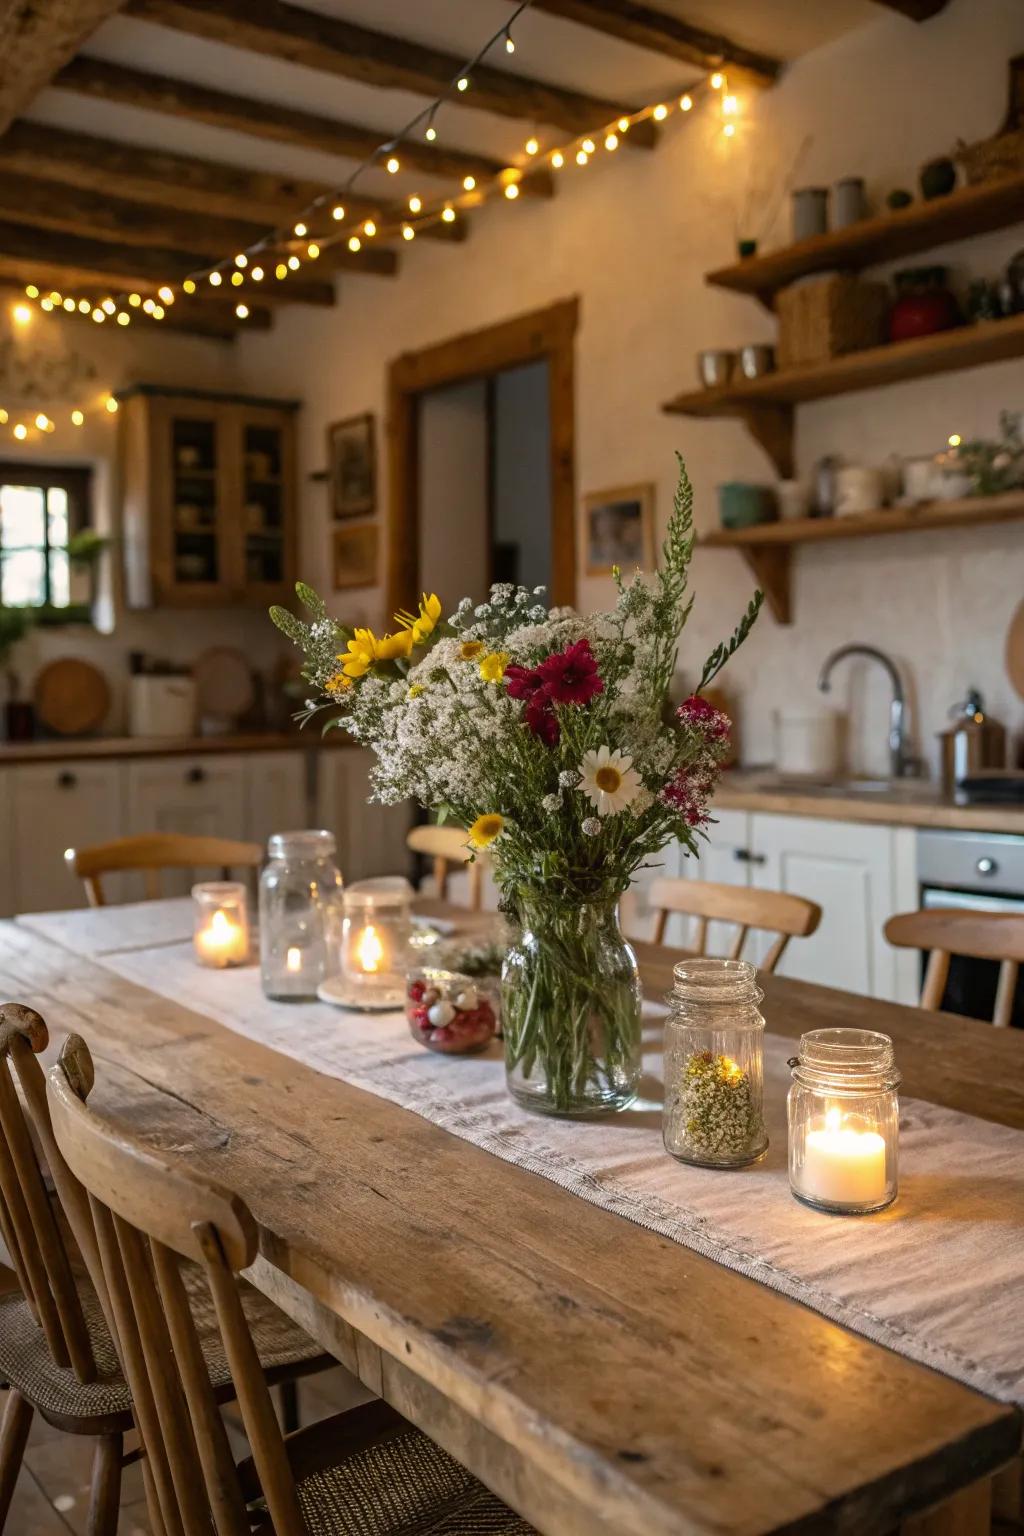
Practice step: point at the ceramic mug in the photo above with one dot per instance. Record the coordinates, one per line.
(794, 499)
(858, 489)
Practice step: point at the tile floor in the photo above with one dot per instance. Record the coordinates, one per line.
(52, 1497)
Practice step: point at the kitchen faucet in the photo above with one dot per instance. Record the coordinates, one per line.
(900, 763)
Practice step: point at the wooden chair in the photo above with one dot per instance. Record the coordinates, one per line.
(57, 1353)
(777, 912)
(447, 846)
(361, 1470)
(948, 931)
(153, 851)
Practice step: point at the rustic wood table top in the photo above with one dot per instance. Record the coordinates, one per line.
(600, 1377)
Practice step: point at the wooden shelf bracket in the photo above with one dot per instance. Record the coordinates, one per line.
(771, 427)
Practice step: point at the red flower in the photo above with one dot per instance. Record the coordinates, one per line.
(711, 723)
(522, 683)
(571, 676)
(540, 717)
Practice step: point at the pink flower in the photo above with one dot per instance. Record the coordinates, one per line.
(571, 676)
(704, 718)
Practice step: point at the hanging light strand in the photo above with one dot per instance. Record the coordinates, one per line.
(29, 421)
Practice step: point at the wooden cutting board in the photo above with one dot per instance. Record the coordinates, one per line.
(71, 696)
(1015, 651)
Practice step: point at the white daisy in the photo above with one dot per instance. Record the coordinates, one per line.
(609, 780)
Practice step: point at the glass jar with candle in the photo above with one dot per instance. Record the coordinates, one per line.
(844, 1121)
(300, 915)
(374, 944)
(714, 1065)
(220, 936)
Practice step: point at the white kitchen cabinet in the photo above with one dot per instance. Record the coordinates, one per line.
(371, 837)
(720, 856)
(52, 808)
(278, 798)
(204, 795)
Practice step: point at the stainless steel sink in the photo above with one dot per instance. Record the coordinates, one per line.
(843, 788)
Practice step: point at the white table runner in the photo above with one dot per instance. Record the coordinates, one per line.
(939, 1277)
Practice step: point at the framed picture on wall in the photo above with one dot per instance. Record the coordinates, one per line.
(352, 466)
(354, 556)
(619, 529)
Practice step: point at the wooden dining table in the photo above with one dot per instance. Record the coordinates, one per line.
(604, 1380)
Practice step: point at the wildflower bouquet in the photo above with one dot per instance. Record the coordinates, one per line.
(550, 737)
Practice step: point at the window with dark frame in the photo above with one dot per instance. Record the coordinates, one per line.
(42, 506)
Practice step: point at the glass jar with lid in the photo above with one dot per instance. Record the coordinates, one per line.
(714, 1065)
(844, 1121)
(300, 915)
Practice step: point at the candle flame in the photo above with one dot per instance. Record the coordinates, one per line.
(370, 950)
(833, 1119)
(293, 959)
(221, 925)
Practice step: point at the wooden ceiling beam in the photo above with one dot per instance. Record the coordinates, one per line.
(915, 10)
(36, 39)
(630, 22)
(106, 81)
(198, 317)
(336, 47)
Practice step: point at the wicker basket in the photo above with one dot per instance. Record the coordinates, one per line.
(827, 316)
(992, 159)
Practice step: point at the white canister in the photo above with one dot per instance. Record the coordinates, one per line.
(807, 744)
(161, 705)
(794, 499)
(859, 488)
(918, 480)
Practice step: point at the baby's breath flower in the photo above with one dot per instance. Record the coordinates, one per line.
(568, 778)
(552, 802)
(590, 827)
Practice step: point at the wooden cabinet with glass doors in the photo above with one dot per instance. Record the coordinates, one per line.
(208, 485)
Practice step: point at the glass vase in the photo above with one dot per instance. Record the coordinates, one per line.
(570, 999)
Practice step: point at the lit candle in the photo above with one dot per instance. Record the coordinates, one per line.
(293, 959)
(222, 940)
(842, 1165)
(369, 951)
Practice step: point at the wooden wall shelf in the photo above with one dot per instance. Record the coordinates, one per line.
(767, 547)
(765, 405)
(960, 216)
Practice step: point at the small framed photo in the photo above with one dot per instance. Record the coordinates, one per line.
(352, 467)
(619, 529)
(355, 556)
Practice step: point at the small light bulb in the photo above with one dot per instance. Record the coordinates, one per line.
(237, 279)
(510, 46)
(241, 260)
(294, 263)
(257, 274)
(3, 417)
(660, 112)
(98, 316)
(23, 314)
(582, 157)
(46, 304)
(589, 146)
(369, 229)
(84, 306)
(111, 405)
(717, 81)
(338, 212)
(468, 183)
(558, 159)
(55, 297)
(954, 439)
(415, 204)
(242, 311)
(431, 133)
(280, 271)
(623, 125)
(729, 130)
(730, 106)
(531, 146)
(158, 311)
(354, 243)
(167, 294)
(32, 292)
(686, 103)
(408, 233)
(215, 279)
(188, 286)
(512, 191)
(300, 230)
(463, 84)
(42, 422)
(394, 165)
(21, 431)
(69, 305)
(611, 141)
(448, 215)
(108, 306)
(312, 250)
(148, 305)
(124, 318)
(77, 418)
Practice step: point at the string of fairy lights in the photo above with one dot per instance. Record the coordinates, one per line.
(325, 222)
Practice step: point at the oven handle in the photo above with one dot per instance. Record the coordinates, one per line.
(933, 896)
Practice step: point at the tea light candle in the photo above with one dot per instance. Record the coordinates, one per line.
(369, 952)
(221, 934)
(843, 1165)
(293, 960)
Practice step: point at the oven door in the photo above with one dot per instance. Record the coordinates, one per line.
(971, 987)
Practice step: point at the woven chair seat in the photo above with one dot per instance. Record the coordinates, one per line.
(404, 1486)
(26, 1362)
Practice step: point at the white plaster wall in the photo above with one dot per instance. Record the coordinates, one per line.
(632, 236)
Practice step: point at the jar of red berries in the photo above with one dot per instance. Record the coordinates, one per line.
(449, 1012)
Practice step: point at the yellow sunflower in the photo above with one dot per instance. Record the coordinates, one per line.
(361, 653)
(492, 666)
(390, 646)
(485, 829)
(423, 623)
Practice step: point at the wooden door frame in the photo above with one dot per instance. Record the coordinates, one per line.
(543, 334)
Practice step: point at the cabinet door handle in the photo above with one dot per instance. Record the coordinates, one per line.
(744, 856)
(67, 780)
(196, 776)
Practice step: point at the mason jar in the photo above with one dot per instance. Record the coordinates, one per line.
(714, 1065)
(375, 934)
(844, 1121)
(300, 915)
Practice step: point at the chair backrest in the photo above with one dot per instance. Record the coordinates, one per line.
(764, 911)
(947, 931)
(448, 846)
(31, 1229)
(149, 1212)
(153, 851)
